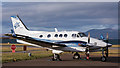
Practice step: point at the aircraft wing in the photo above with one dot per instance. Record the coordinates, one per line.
(53, 44)
(35, 41)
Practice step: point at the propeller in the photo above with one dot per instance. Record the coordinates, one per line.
(87, 46)
(107, 45)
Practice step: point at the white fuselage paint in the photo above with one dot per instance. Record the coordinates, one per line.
(93, 41)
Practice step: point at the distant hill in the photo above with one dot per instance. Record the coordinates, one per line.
(96, 33)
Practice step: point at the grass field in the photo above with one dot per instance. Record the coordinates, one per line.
(8, 56)
(8, 49)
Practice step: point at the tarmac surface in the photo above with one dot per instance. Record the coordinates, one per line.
(67, 61)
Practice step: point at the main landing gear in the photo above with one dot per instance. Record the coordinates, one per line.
(56, 57)
(76, 56)
(104, 54)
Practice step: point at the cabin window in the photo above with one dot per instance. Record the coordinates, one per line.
(60, 35)
(65, 35)
(41, 36)
(56, 35)
(73, 35)
(48, 35)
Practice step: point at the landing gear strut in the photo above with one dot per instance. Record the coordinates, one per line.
(56, 57)
(103, 58)
(87, 56)
(87, 52)
(76, 56)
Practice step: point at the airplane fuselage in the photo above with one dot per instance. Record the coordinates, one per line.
(74, 40)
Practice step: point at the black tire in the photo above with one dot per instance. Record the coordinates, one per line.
(103, 59)
(76, 56)
(60, 60)
(56, 58)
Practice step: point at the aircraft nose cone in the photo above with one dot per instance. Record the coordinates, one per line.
(109, 45)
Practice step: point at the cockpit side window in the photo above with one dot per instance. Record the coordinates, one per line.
(77, 35)
(81, 34)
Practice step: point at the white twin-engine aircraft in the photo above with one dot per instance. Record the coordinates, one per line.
(59, 41)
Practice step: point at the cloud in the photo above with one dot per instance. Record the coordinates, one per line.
(85, 28)
(62, 15)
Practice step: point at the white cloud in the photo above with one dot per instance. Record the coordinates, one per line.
(114, 26)
(89, 27)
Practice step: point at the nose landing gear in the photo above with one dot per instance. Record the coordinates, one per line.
(87, 52)
(87, 56)
(104, 57)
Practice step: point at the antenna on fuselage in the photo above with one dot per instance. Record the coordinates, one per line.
(56, 30)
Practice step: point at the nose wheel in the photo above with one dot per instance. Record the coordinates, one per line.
(87, 56)
(76, 56)
(87, 52)
(104, 57)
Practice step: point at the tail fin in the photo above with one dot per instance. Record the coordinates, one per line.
(18, 26)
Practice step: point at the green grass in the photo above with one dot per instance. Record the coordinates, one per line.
(8, 49)
(9, 57)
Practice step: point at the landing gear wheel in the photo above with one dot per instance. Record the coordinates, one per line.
(56, 57)
(103, 59)
(76, 56)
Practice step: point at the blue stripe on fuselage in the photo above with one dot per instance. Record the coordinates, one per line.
(74, 43)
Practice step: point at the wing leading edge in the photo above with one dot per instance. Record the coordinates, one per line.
(35, 41)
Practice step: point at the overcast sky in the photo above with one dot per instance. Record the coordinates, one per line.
(78, 16)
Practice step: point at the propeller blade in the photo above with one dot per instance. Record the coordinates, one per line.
(87, 47)
(89, 37)
(107, 38)
(107, 45)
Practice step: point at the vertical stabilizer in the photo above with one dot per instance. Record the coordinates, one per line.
(18, 26)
